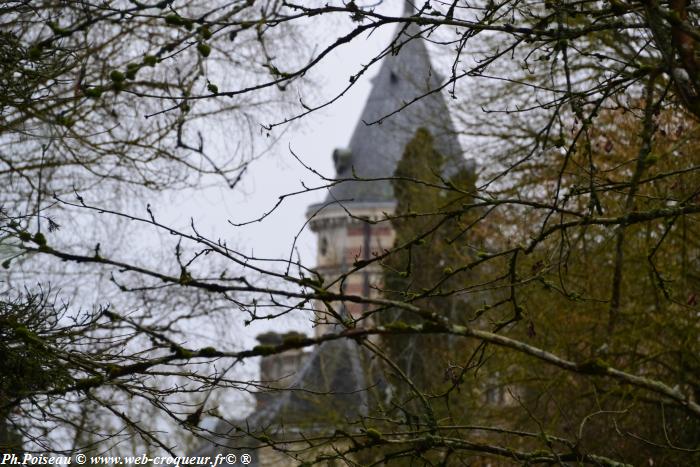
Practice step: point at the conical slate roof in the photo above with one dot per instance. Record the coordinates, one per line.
(337, 383)
(375, 149)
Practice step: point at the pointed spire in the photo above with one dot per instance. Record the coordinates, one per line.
(374, 148)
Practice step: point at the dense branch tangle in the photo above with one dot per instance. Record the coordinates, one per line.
(575, 250)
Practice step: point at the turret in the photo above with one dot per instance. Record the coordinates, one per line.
(402, 99)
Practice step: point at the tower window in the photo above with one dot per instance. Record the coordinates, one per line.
(323, 246)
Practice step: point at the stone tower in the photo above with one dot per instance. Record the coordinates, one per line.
(388, 122)
(338, 381)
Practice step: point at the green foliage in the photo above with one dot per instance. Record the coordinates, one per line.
(117, 76)
(205, 32)
(94, 92)
(131, 70)
(150, 60)
(587, 251)
(204, 49)
(209, 352)
(652, 332)
(294, 339)
(174, 19)
(34, 52)
(595, 366)
(39, 239)
(32, 345)
(264, 350)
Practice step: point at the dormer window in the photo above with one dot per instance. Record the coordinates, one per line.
(341, 159)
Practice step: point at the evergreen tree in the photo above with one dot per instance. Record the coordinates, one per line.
(424, 269)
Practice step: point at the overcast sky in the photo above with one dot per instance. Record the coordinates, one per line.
(278, 173)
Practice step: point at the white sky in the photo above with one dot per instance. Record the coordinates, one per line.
(278, 173)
